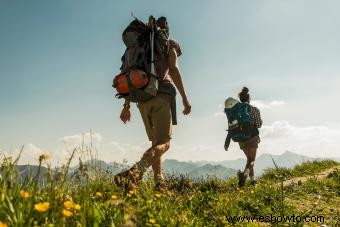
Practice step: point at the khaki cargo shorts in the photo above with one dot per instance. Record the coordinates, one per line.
(156, 115)
(251, 143)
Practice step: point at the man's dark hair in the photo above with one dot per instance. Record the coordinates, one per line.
(162, 23)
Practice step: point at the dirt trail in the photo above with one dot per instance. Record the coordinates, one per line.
(318, 176)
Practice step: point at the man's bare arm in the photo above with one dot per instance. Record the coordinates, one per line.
(177, 79)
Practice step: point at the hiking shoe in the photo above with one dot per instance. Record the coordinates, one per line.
(241, 178)
(161, 186)
(121, 179)
(128, 179)
(253, 182)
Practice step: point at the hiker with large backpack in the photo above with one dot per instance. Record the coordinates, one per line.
(244, 120)
(148, 75)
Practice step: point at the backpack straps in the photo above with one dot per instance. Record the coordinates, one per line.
(152, 39)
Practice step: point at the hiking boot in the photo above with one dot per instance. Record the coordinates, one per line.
(128, 179)
(121, 179)
(161, 186)
(241, 178)
(253, 182)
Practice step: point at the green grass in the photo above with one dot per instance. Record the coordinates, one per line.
(185, 203)
(305, 169)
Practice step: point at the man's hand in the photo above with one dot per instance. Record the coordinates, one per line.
(125, 115)
(187, 107)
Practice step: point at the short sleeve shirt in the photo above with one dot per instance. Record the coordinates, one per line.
(256, 116)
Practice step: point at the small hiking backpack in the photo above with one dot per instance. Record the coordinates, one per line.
(138, 80)
(240, 126)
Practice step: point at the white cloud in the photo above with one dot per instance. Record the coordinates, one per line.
(29, 154)
(220, 113)
(60, 154)
(265, 105)
(85, 138)
(315, 141)
(116, 151)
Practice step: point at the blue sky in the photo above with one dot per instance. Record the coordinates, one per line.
(57, 60)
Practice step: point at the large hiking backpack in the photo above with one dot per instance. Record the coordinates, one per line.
(138, 80)
(240, 125)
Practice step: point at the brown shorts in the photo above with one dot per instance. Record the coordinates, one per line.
(251, 143)
(156, 115)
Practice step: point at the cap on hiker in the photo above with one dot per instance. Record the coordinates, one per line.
(230, 103)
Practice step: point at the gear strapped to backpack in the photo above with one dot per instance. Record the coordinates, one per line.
(240, 126)
(138, 80)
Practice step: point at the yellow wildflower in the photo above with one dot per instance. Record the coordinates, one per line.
(2, 224)
(158, 195)
(99, 194)
(24, 194)
(252, 192)
(67, 213)
(133, 191)
(149, 201)
(42, 207)
(77, 206)
(68, 204)
(114, 197)
(152, 221)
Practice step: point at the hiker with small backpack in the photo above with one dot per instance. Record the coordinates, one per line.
(149, 75)
(244, 120)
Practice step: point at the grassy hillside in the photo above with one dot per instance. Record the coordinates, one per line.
(93, 200)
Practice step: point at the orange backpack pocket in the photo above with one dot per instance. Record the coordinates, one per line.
(135, 79)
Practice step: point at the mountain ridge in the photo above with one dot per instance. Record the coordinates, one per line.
(201, 169)
(287, 159)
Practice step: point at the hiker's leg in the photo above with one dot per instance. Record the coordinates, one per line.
(157, 170)
(153, 155)
(247, 167)
(156, 115)
(162, 126)
(249, 148)
(252, 155)
(150, 157)
(157, 164)
(251, 161)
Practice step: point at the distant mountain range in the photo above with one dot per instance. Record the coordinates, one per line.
(287, 159)
(202, 169)
(197, 170)
(228, 168)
